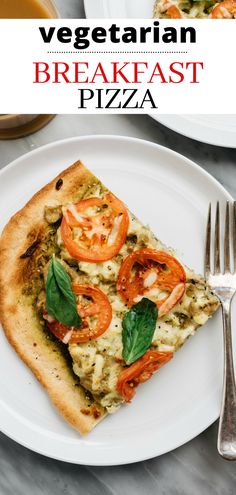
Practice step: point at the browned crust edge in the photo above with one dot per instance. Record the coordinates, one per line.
(20, 322)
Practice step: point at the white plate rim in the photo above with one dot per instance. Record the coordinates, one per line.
(87, 8)
(198, 132)
(198, 429)
(90, 7)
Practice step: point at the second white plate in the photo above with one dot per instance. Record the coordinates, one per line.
(121, 9)
(219, 130)
(170, 193)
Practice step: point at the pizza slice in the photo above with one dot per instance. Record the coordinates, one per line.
(90, 299)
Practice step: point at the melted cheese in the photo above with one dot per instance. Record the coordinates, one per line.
(115, 230)
(72, 209)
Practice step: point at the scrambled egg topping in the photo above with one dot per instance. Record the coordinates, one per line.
(99, 362)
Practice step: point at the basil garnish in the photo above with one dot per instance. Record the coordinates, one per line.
(60, 299)
(138, 329)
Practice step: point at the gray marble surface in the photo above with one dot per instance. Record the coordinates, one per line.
(194, 468)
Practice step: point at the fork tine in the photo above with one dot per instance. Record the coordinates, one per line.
(234, 235)
(227, 241)
(217, 240)
(208, 244)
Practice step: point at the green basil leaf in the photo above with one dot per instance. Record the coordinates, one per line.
(138, 329)
(60, 299)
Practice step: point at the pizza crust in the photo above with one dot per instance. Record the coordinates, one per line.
(19, 319)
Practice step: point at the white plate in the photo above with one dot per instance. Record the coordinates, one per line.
(219, 130)
(121, 9)
(171, 193)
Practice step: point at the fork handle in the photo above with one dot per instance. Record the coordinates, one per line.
(227, 426)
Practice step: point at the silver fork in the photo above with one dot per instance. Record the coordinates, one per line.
(223, 283)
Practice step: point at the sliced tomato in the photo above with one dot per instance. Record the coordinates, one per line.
(96, 312)
(154, 274)
(140, 372)
(174, 12)
(95, 229)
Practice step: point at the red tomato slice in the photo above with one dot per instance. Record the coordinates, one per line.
(174, 12)
(140, 372)
(148, 269)
(102, 226)
(96, 314)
